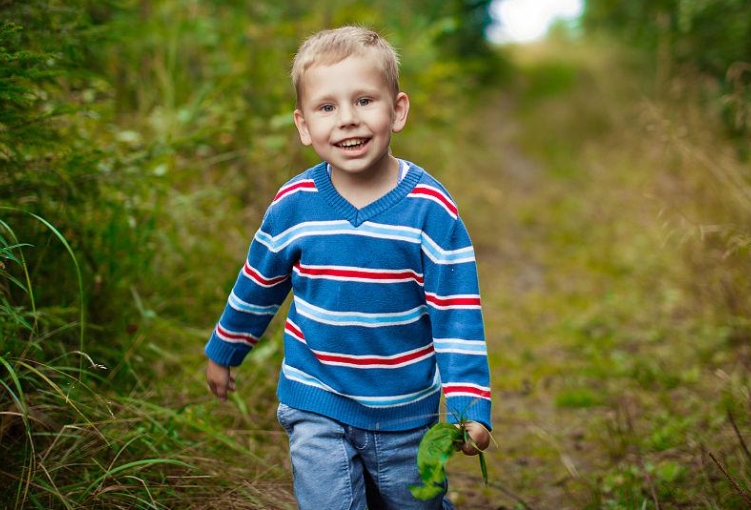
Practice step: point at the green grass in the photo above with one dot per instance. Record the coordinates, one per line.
(610, 218)
(612, 287)
(70, 441)
(604, 300)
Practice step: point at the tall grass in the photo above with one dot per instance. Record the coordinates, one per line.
(66, 444)
(630, 388)
(142, 142)
(611, 219)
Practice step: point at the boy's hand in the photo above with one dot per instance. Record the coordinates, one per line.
(220, 380)
(480, 438)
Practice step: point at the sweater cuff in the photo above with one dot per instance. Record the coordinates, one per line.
(469, 409)
(225, 353)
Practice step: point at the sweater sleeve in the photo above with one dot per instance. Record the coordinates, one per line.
(260, 289)
(453, 297)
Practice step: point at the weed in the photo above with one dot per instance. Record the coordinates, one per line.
(436, 447)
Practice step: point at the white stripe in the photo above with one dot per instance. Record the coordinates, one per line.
(286, 193)
(471, 385)
(338, 227)
(370, 366)
(413, 276)
(416, 194)
(293, 334)
(294, 374)
(436, 200)
(368, 320)
(360, 356)
(368, 229)
(457, 306)
(458, 346)
(440, 256)
(246, 338)
(242, 306)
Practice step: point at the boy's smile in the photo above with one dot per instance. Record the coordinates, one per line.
(347, 113)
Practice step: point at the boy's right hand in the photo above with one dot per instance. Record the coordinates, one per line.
(221, 380)
(480, 438)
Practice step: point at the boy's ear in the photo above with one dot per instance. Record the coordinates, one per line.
(302, 128)
(401, 110)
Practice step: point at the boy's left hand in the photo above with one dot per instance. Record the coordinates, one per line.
(480, 438)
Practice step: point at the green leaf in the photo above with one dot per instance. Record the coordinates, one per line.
(436, 447)
(426, 492)
(483, 468)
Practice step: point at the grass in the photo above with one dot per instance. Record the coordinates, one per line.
(68, 445)
(617, 355)
(611, 221)
(612, 287)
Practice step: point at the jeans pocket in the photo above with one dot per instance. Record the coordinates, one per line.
(283, 415)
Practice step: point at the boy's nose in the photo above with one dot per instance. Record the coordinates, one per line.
(347, 116)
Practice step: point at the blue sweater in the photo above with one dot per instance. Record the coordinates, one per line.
(386, 311)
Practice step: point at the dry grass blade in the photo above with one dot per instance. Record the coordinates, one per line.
(743, 493)
(738, 434)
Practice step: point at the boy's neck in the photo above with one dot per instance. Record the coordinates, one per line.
(364, 188)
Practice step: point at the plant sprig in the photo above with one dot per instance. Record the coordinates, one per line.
(436, 447)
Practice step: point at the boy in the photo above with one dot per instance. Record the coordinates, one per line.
(385, 291)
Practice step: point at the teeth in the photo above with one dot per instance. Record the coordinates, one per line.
(351, 143)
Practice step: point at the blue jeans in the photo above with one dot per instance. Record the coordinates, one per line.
(339, 467)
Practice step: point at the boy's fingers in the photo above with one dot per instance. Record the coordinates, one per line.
(470, 448)
(466, 447)
(219, 390)
(213, 389)
(220, 380)
(220, 393)
(478, 439)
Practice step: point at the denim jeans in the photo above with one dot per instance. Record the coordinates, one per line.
(339, 467)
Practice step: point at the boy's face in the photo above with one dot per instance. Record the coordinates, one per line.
(347, 113)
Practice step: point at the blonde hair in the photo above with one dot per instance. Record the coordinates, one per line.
(329, 47)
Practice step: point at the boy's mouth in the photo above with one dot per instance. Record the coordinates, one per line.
(352, 143)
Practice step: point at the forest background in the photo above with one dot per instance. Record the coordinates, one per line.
(604, 174)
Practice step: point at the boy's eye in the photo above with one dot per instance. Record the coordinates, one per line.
(327, 108)
(364, 101)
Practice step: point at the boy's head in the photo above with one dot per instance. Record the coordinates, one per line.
(332, 46)
(348, 100)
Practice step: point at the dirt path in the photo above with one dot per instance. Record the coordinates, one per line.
(531, 464)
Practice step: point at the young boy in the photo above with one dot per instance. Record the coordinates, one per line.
(386, 313)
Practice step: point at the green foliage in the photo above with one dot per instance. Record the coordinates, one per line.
(68, 440)
(628, 267)
(12, 320)
(139, 143)
(437, 446)
(708, 34)
(709, 37)
(578, 398)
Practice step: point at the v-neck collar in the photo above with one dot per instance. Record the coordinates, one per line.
(358, 216)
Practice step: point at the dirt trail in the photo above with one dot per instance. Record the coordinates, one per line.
(530, 466)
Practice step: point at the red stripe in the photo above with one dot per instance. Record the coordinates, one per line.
(255, 275)
(245, 337)
(453, 301)
(421, 190)
(294, 330)
(293, 187)
(466, 389)
(374, 360)
(354, 273)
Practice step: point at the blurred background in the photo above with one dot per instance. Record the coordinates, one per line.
(598, 151)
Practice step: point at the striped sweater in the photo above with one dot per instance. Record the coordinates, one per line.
(386, 311)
